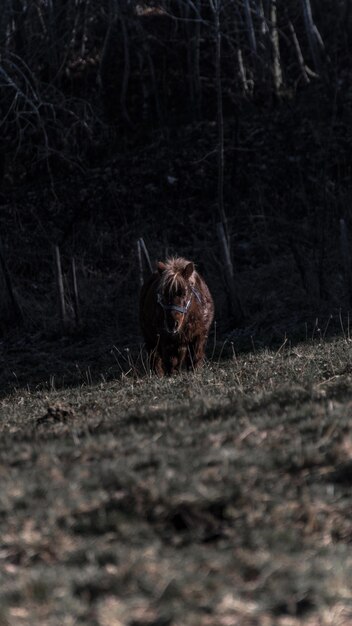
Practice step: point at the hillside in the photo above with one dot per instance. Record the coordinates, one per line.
(219, 498)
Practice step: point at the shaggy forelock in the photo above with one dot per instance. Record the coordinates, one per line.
(172, 278)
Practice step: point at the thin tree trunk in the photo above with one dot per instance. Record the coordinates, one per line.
(145, 54)
(220, 119)
(52, 54)
(146, 254)
(75, 293)
(264, 30)
(126, 68)
(242, 71)
(18, 28)
(140, 262)
(250, 29)
(143, 260)
(277, 72)
(265, 46)
(233, 290)
(312, 32)
(8, 281)
(196, 62)
(60, 288)
(189, 43)
(5, 19)
(299, 53)
(85, 28)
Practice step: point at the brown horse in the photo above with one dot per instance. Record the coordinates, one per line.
(176, 312)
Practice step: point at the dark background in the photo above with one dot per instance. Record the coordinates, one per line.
(110, 131)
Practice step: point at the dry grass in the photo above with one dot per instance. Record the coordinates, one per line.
(213, 499)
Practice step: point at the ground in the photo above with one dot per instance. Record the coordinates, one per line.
(216, 498)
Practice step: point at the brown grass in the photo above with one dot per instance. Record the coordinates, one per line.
(208, 499)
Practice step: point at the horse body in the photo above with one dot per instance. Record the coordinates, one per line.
(176, 312)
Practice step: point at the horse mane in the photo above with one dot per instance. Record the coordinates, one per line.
(172, 278)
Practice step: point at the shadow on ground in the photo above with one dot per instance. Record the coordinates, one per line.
(36, 361)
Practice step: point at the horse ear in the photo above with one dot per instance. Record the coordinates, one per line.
(161, 267)
(188, 271)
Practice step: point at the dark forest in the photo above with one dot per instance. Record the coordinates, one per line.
(216, 130)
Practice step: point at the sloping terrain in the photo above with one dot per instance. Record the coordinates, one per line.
(219, 498)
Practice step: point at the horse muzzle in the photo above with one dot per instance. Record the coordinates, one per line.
(173, 326)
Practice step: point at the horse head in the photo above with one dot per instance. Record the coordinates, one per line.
(175, 295)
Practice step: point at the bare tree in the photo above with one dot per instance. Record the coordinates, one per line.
(277, 71)
(314, 38)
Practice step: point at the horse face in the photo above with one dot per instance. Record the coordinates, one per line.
(173, 322)
(175, 307)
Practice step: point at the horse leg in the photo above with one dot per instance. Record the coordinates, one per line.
(173, 359)
(182, 356)
(158, 366)
(170, 364)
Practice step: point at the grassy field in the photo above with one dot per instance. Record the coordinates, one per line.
(218, 498)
